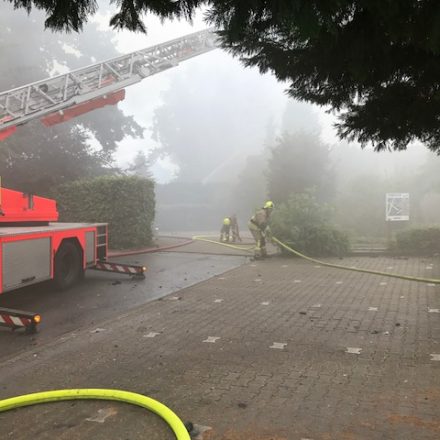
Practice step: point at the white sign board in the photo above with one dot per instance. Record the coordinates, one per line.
(397, 207)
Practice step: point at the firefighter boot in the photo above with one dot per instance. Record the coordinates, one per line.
(258, 255)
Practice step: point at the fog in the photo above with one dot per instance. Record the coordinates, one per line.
(209, 129)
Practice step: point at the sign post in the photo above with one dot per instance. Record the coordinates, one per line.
(396, 210)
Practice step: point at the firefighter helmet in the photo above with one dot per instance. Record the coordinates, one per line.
(268, 205)
(227, 221)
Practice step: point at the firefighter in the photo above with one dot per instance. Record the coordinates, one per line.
(234, 229)
(259, 227)
(225, 230)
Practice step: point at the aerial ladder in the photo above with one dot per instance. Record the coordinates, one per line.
(34, 247)
(63, 97)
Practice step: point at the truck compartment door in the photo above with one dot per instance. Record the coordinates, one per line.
(25, 262)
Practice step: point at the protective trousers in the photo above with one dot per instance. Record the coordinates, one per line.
(260, 240)
(224, 233)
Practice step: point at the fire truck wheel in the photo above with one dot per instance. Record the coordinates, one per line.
(68, 265)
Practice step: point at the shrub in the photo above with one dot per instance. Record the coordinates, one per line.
(303, 223)
(127, 204)
(419, 241)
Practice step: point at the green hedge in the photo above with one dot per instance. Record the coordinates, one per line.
(303, 223)
(318, 241)
(127, 204)
(321, 241)
(420, 241)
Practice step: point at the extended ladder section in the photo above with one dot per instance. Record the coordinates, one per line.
(48, 98)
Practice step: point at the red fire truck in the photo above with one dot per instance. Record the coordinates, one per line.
(35, 248)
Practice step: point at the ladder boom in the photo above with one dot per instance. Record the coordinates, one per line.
(32, 101)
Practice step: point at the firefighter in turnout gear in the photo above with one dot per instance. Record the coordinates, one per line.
(225, 230)
(259, 227)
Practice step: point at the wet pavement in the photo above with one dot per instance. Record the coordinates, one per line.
(274, 350)
(102, 295)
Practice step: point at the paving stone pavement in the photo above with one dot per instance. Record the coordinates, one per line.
(273, 350)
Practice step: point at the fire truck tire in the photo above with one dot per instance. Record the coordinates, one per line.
(68, 265)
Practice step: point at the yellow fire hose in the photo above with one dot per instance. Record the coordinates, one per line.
(322, 263)
(158, 408)
(356, 269)
(242, 247)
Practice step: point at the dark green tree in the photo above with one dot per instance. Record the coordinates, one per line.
(377, 62)
(31, 161)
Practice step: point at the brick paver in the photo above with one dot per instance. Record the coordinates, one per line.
(280, 349)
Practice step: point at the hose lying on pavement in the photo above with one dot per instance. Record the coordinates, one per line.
(322, 263)
(356, 269)
(232, 246)
(158, 408)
